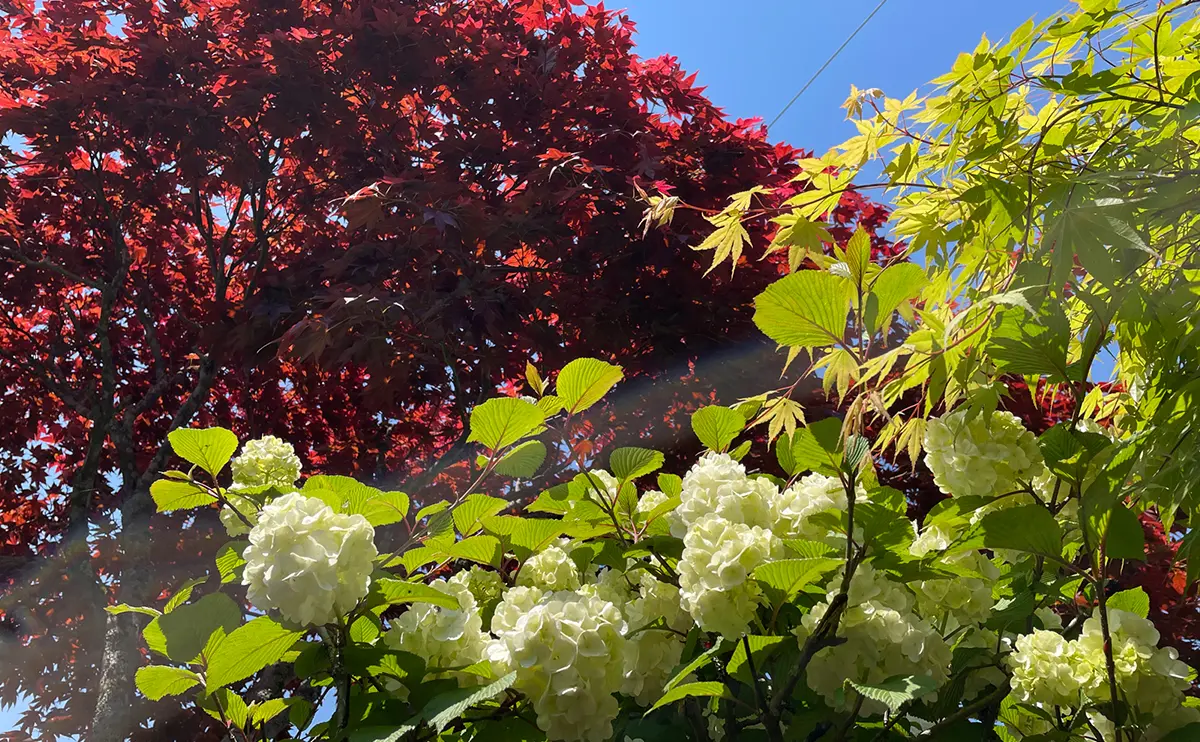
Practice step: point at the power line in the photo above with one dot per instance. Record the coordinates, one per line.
(832, 57)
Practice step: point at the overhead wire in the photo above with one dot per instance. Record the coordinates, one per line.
(829, 61)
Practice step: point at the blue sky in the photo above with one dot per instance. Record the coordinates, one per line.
(755, 54)
(754, 59)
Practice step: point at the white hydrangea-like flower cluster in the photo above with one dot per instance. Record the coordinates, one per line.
(966, 600)
(550, 569)
(446, 638)
(485, 585)
(263, 462)
(714, 572)
(884, 637)
(1050, 670)
(235, 524)
(1047, 669)
(812, 494)
(308, 562)
(652, 654)
(987, 456)
(266, 462)
(651, 500)
(718, 485)
(562, 645)
(1151, 679)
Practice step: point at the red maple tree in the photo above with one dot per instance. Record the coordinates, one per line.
(176, 248)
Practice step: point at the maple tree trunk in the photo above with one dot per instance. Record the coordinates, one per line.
(115, 717)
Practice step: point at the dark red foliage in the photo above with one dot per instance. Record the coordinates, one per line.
(172, 253)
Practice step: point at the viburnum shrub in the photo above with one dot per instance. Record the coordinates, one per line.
(1050, 184)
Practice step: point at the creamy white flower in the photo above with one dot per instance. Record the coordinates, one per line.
(717, 484)
(986, 456)
(812, 494)
(609, 585)
(965, 599)
(1151, 679)
(1047, 669)
(550, 569)
(266, 462)
(652, 654)
(234, 524)
(308, 562)
(445, 638)
(650, 500)
(883, 638)
(933, 537)
(567, 649)
(714, 572)
(485, 585)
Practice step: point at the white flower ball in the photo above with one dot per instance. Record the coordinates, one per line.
(650, 500)
(266, 462)
(550, 569)
(652, 654)
(308, 562)
(714, 572)
(445, 638)
(234, 525)
(812, 494)
(883, 638)
(717, 484)
(965, 600)
(985, 457)
(609, 585)
(485, 585)
(567, 649)
(1151, 679)
(1047, 669)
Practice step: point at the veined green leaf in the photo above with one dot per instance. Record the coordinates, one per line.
(169, 494)
(503, 421)
(896, 691)
(704, 689)
(247, 650)
(208, 448)
(584, 381)
(717, 426)
(807, 309)
(159, 681)
(631, 463)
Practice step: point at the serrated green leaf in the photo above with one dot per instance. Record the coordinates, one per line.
(445, 708)
(184, 632)
(264, 711)
(522, 461)
(670, 485)
(1125, 538)
(169, 494)
(184, 592)
(1132, 601)
(698, 662)
(761, 648)
(896, 691)
(248, 649)
(483, 549)
(717, 426)
(229, 560)
(208, 448)
(1029, 528)
(159, 681)
(503, 421)
(710, 689)
(785, 578)
(816, 447)
(121, 608)
(468, 515)
(395, 592)
(809, 549)
(381, 509)
(807, 309)
(584, 381)
(897, 283)
(631, 463)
